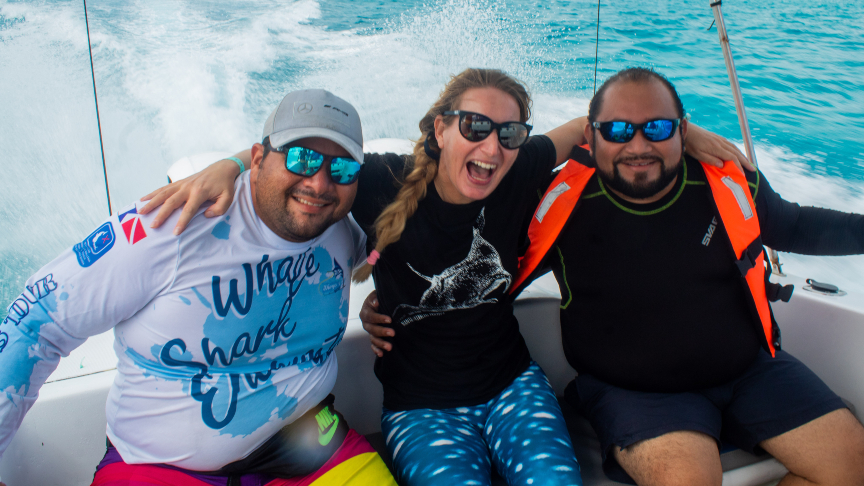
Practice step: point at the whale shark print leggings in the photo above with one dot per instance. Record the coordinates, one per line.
(521, 432)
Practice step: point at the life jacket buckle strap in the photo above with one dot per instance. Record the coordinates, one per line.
(749, 256)
(746, 263)
(775, 292)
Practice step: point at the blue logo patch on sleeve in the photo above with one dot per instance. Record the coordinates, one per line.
(95, 245)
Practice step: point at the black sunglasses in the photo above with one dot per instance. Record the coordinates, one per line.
(623, 131)
(476, 127)
(306, 162)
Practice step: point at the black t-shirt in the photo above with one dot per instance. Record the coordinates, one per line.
(446, 282)
(651, 297)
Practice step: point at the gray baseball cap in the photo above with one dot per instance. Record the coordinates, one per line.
(315, 113)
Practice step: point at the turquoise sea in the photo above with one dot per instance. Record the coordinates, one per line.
(176, 78)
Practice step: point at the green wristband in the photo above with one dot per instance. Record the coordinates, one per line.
(239, 162)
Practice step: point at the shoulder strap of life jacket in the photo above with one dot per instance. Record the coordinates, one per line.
(551, 216)
(738, 213)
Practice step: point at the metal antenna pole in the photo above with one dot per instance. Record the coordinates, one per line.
(733, 80)
(739, 107)
(597, 47)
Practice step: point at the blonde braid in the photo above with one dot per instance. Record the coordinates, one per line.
(391, 222)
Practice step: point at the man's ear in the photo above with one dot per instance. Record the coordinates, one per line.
(683, 128)
(589, 137)
(257, 156)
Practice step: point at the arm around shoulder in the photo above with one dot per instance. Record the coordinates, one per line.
(378, 185)
(713, 149)
(567, 135)
(214, 183)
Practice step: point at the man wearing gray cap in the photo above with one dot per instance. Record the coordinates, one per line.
(225, 334)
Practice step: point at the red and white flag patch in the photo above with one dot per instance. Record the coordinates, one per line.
(131, 224)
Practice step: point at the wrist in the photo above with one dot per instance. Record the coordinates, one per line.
(238, 162)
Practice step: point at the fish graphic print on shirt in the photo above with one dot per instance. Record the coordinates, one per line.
(465, 285)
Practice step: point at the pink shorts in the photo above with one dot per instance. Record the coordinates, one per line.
(355, 462)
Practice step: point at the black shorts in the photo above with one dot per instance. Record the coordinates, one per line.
(771, 397)
(296, 450)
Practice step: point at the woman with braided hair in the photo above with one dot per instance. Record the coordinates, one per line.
(461, 392)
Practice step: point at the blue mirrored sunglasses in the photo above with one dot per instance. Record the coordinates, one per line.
(307, 162)
(623, 132)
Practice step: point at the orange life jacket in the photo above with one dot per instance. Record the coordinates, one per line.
(734, 205)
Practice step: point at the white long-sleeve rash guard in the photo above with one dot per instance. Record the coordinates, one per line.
(224, 334)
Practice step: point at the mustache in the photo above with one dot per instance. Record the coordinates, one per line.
(638, 158)
(327, 198)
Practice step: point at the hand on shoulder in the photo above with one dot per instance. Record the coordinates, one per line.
(713, 149)
(215, 183)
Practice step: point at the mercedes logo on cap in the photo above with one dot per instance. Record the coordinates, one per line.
(304, 108)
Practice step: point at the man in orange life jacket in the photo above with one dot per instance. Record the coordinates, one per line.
(664, 308)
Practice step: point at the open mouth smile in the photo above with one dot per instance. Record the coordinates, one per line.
(480, 172)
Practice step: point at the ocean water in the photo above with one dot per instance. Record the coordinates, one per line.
(176, 78)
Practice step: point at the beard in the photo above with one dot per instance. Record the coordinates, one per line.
(294, 225)
(306, 228)
(640, 187)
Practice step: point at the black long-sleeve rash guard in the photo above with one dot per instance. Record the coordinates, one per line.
(651, 298)
(807, 230)
(445, 284)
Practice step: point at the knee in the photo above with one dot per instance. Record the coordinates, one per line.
(681, 458)
(547, 481)
(846, 464)
(700, 477)
(849, 473)
(680, 476)
(849, 468)
(559, 475)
